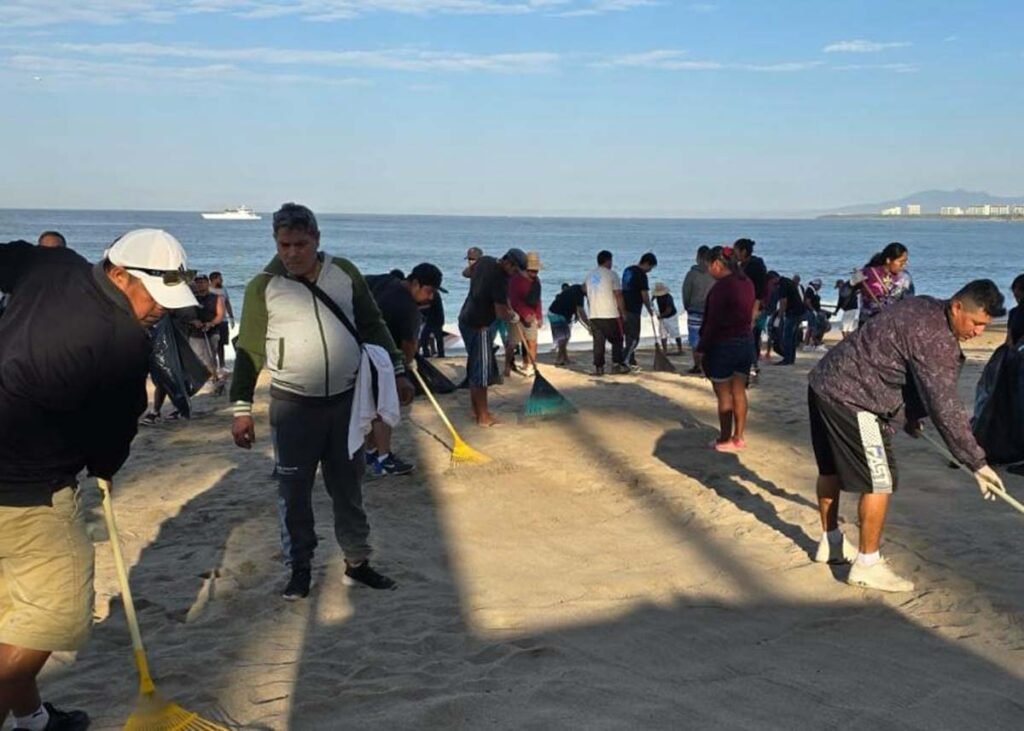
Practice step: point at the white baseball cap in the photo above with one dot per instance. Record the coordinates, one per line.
(158, 261)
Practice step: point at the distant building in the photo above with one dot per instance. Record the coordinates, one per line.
(894, 211)
(914, 209)
(951, 211)
(999, 210)
(979, 210)
(1018, 211)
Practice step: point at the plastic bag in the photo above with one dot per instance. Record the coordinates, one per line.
(436, 381)
(174, 366)
(999, 407)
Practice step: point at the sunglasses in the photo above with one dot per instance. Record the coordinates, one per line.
(170, 277)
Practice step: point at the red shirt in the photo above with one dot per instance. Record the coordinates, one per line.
(518, 287)
(729, 312)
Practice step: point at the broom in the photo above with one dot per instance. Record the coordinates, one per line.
(940, 449)
(462, 453)
(544, 400)
(661, 361)
(152, 712)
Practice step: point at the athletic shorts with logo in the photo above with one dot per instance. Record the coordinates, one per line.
(853, 445)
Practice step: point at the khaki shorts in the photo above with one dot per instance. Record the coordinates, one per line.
(46, 570)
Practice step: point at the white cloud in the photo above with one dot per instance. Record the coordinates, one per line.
(678, 60)
(862, 46)
(22, 13)
(900, 68)
(401, 59)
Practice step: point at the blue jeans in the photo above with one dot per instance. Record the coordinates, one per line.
(790, 326)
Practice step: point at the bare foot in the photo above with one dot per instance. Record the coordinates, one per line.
(487, 421)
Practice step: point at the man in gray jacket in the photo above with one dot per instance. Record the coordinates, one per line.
(907, 359)
(696, 285)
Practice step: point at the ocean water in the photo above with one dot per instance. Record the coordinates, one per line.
(943, 254)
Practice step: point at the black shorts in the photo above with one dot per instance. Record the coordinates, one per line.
(853, 445)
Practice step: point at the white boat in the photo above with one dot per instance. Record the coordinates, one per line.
(241, 213)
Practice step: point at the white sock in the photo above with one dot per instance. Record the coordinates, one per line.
(35, 721)
(382, 457)
(868, 559)
(834, 536)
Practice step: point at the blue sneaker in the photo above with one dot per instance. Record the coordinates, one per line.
(392, 465)
(371, 457)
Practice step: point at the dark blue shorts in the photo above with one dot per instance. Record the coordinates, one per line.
(479, 342)
(733, 357)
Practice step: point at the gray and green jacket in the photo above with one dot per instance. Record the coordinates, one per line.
(308, 351)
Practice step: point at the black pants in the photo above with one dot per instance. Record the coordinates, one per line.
(432, 337)
(631, 327)
(606, 330)
(307, 435)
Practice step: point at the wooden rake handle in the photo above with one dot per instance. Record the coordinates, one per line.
(941, 449)
(437, 407)
(146, 686)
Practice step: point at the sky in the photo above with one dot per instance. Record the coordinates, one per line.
(508, 107)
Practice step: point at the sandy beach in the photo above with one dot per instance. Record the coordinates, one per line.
(607, 571)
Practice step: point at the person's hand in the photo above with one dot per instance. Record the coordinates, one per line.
(514, 318)
(914, 427)
(243, 431)
(406, 393)
(989, 482)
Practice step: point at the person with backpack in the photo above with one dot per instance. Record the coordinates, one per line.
(305, 318)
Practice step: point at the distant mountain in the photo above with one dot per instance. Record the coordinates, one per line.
(930, 201)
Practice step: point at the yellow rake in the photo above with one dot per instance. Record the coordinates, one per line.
(462, 453)
(152, 712)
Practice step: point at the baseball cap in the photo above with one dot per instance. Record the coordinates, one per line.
(157, 260)
(428, 275)
(517, 257)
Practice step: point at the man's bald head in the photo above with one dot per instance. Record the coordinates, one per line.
(52, 240)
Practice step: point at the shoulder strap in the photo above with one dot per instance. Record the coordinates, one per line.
(331, 305)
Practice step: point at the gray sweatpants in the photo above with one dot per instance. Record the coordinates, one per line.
(307, 434)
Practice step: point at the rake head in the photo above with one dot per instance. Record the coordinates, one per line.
(463, 454)
(546, 401)
(154, 713)
(661, 361)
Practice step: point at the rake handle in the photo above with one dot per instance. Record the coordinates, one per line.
(146, 686)
(941, 449)
(437, 406)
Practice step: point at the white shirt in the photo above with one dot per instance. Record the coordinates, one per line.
(602, 284)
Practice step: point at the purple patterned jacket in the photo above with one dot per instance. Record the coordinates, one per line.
(907, 355)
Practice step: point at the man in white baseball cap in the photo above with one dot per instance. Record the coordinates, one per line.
(73, 389)
(157, 260)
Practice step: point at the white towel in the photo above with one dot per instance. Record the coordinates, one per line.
(365, 408)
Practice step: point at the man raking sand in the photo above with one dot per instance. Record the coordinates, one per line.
(907, 358)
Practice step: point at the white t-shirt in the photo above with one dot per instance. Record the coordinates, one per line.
(602, 284)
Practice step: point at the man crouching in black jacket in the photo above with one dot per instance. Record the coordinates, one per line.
(74, 354)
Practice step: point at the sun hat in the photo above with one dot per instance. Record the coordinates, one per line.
(816, 283)
(533, 261)
(517, 257)
(660, 289)
(157, 260)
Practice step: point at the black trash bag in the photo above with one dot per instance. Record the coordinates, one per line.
(174, 366)
(436, 381)
(999, 407)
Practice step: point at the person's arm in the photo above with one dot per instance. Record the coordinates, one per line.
(581, 315)
(688, 291)
(620, 303)
(251, 348)
(229, 308)
(118, 405)
(409, 348)
(645, 295)
(218, 316)
(368, 321)
(934, 373)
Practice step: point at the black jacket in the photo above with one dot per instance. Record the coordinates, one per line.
(73, 364)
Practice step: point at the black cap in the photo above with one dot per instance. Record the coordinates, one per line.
(428, 275)
(517, 257)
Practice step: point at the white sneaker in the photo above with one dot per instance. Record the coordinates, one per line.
(878, 576)
(835, 553)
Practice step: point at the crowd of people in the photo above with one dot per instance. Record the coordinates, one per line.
(338, 346)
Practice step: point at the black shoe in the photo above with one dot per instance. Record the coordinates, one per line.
(298, 585)
(393, 465)
(64, 720)
(364, 574)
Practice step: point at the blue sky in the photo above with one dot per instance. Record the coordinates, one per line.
(584, 107)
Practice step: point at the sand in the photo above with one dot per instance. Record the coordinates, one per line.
(608, 571)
